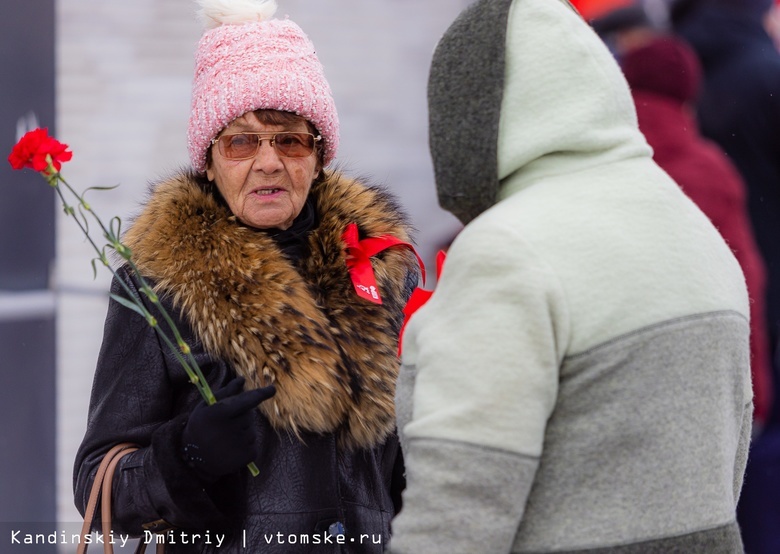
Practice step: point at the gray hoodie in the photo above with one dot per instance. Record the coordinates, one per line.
(579, 381)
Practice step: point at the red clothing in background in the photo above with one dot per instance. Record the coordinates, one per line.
(664, 76)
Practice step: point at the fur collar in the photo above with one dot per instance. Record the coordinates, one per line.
(331, 354)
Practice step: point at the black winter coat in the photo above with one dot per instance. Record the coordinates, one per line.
(314, 483)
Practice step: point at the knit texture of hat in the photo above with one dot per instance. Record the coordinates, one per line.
(250, 62)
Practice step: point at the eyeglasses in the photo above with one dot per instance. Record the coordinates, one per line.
(242, 146)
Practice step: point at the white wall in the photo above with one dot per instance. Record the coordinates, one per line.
(124, 73)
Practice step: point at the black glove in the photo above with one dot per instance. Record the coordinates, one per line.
(220, 439)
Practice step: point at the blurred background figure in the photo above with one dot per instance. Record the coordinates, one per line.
(772, 23)
(624, 24)
(739, 108)
(664, 76)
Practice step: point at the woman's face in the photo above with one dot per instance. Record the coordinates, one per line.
(267, 191)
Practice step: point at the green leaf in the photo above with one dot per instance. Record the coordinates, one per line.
(82, 197)
(84, 219)
(129, 304)
(100, 188)
(115, 233)
(103, 259)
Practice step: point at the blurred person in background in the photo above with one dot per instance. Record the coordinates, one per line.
(246, 250)
(621, 24)
(739, 109)
(665, 76)
(772, 22)
(579, 381)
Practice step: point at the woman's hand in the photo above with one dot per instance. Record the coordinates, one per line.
(219, 439)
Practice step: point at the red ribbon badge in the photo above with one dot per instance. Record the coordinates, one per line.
(419, 297)
(359, 253)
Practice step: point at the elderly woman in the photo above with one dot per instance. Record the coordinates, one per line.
(248, 252)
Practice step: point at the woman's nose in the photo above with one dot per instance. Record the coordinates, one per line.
(267, 158)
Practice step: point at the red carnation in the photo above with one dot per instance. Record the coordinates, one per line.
(34, 147)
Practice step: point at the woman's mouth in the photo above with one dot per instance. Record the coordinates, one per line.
(267, 192)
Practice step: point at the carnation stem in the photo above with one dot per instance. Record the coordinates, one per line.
(180, 349)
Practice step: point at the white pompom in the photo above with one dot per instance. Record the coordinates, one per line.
(214, 13)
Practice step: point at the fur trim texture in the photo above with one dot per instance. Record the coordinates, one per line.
(331, 354)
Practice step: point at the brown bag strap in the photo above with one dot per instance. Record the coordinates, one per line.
(102, 484)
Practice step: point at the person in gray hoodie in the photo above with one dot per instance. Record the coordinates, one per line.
(580, 379)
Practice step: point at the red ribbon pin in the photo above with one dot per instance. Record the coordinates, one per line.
(359, 253)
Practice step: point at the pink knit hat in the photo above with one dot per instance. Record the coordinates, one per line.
(246, 61)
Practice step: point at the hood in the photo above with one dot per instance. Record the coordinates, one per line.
(665, 66)
(520, 89)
